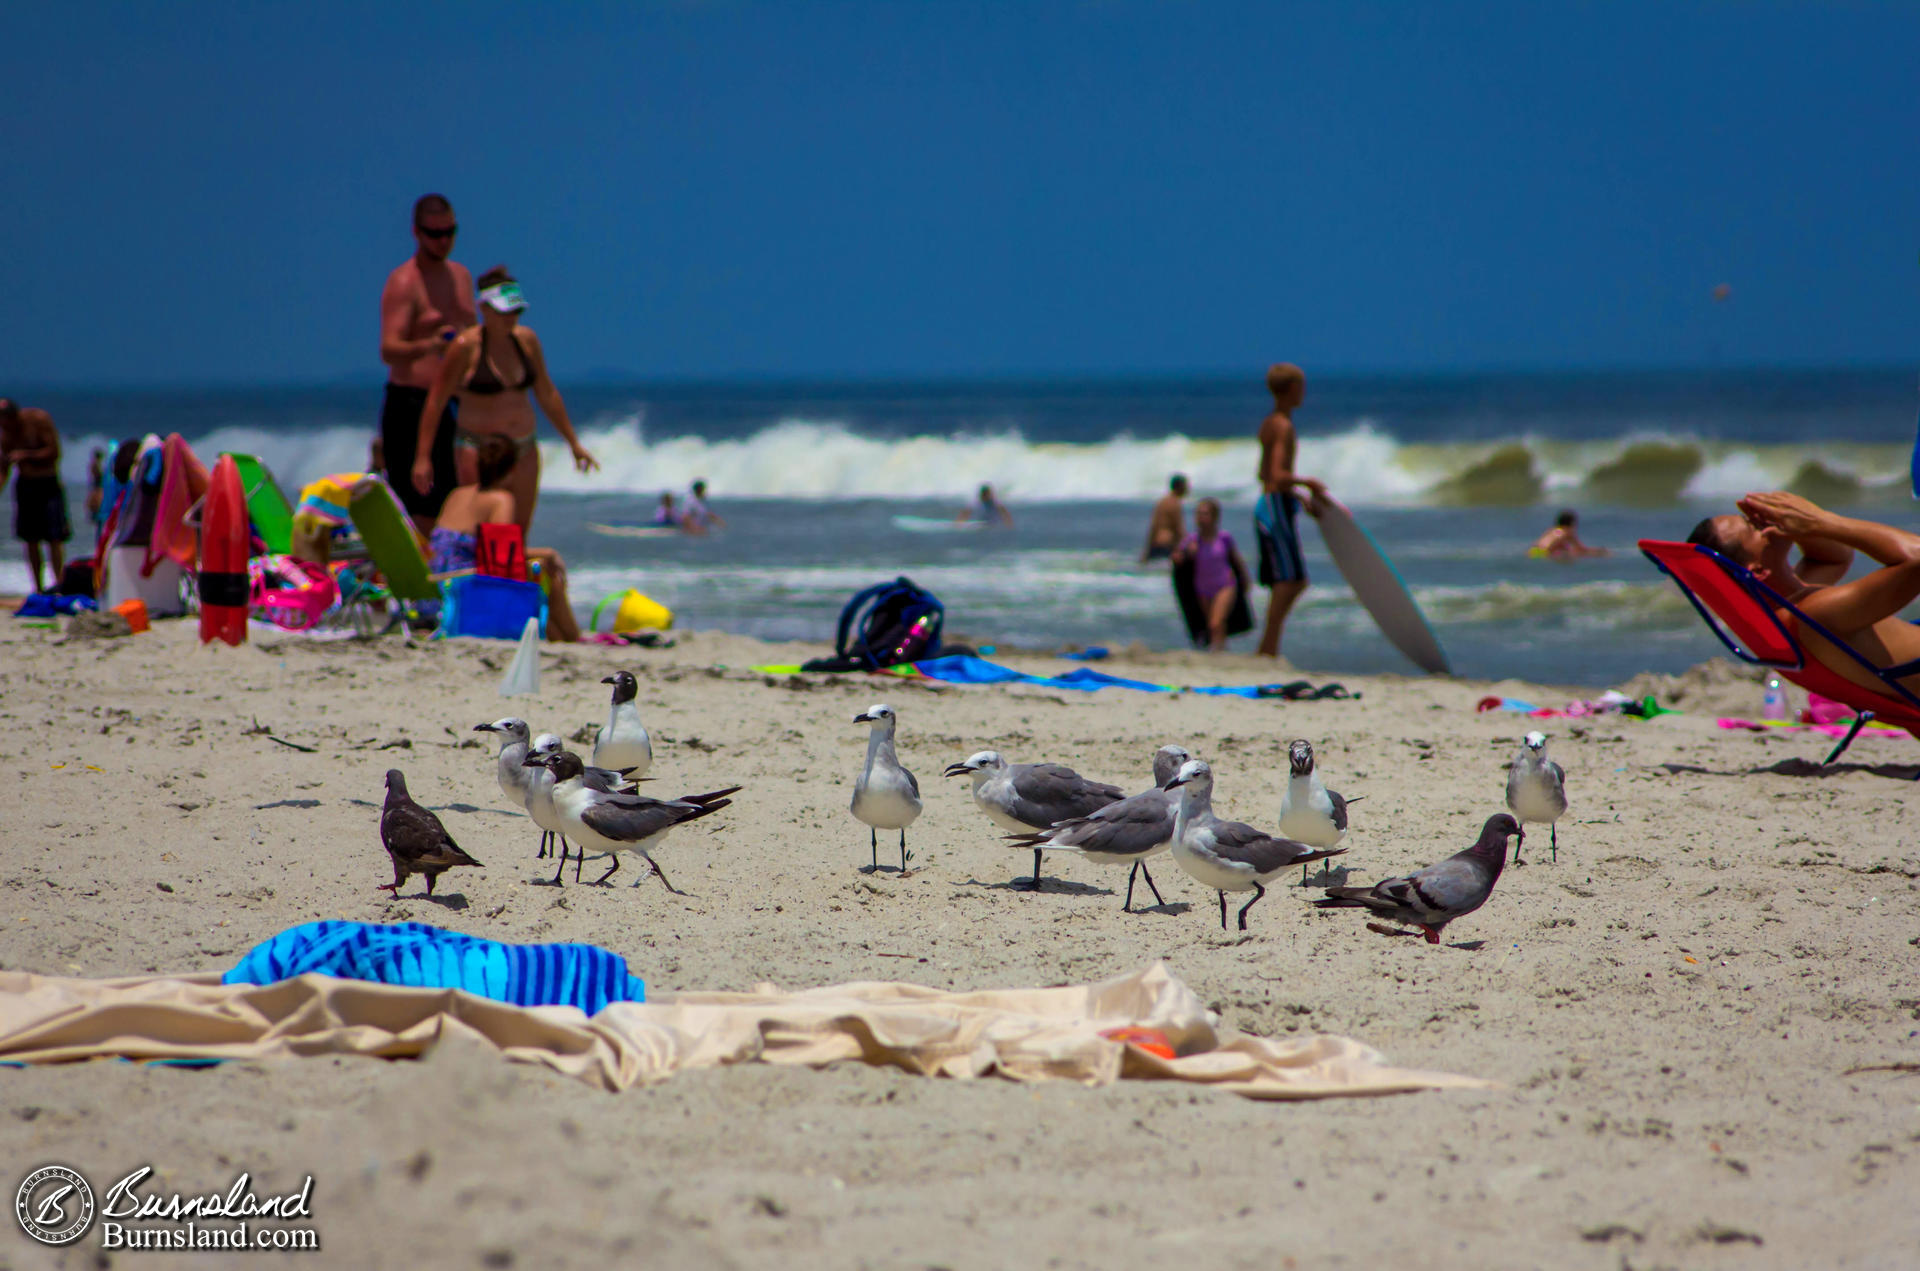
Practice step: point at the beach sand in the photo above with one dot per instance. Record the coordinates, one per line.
(1674, 1011)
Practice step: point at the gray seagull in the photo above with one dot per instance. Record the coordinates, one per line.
(1025, 797)
(1537, 791)
(885, 796)
(1309, 812)
(1228, 855)
(1130, 832)
(613, 823)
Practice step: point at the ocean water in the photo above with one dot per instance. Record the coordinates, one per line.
(1454, 476)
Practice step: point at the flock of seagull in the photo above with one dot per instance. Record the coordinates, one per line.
(581, 805)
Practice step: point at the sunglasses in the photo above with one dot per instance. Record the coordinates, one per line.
(448, 232)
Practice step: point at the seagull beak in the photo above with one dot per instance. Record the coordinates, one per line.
(608, 680)
(534, 761)
(863, 719)
(957, 770)
(483, 728)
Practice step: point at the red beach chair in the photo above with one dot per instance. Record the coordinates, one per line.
(1745, 613)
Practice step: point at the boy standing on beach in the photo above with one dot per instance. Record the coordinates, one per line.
(1283, 569)
(29, 439)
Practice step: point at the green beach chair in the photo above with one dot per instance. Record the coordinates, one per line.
(267, 505)
(391, 544)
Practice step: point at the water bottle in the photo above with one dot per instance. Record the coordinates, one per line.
(1774, 707)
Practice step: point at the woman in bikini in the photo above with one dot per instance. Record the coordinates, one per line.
(489, 500)
(492, 368)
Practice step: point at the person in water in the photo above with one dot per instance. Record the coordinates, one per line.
(426, 303)
(666, 515)
(698, 518)
(1865, 613)
(987, 510)
(489, 500)
(1168, 524)
(1217, 569)
(1562, 542)
(491, 369)
(1283, 568)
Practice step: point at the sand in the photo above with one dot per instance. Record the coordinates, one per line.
(1677, 1012)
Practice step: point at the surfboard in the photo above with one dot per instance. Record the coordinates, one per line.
(936, 525)
(1378, 587)
(223, 557)
(267, 504)
(632, 529)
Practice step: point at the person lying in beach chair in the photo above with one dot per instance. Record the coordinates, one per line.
(1843, 640)
(490, 502)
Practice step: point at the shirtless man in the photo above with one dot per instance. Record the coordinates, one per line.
(29, 439)
(1562, 542)
(1864, 613)
(1283, 568)
(1168, 525)
(426, 303)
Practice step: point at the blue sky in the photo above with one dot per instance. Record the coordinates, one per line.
(214, 192)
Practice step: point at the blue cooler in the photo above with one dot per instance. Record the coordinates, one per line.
(496, 608)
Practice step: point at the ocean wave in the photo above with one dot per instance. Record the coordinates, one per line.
(1361, 463)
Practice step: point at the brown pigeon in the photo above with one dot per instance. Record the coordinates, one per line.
(415, 839)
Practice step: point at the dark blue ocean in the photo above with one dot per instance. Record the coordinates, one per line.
(1453, 475)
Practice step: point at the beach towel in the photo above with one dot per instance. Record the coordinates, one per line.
(416, 955)
(1018, 1034)
(966, 669)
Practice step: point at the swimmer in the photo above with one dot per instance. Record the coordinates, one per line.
(1562, 542)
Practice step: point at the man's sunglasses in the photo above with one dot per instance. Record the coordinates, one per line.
(448, 232)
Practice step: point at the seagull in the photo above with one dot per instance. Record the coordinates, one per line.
(1227, 855)
(540, 795)
(1309, 812)
(415, 839)
(1130, 832)
(1431, 898)
(509, 766)
(1537, 790)
(623, 745)
(1025, 797)
(886, 797)
(618, 822)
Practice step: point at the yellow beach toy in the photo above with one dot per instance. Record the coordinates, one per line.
(632, 611)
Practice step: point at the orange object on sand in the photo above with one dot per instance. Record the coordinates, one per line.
(135, 612)
(1151, 1040)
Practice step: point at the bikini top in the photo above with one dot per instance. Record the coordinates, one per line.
(491, 383)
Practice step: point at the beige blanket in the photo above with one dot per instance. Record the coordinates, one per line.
(1021, 1034)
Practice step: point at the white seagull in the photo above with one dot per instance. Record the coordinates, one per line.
(509, 765)
(1025, 797)
(623, 745)
(1309, 812)
(1536, 791)
(1227, 855)
(540, 796)
(1130, 832)
(886, 796)
(619, 822)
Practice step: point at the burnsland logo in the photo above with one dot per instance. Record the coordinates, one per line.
(55, 1206)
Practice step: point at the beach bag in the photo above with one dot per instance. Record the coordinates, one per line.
(289, 592)
(501, 552)
(888, 624)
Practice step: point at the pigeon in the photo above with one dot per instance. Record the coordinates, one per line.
(623, 745)
(1537, 791)
(1130, 832)
(615, 822)
(509, 766)
(415, 839)
(1431, 898)
(1227, 855)
(540, 795)
(1309, 812)
(886, 796)
(1024, 797)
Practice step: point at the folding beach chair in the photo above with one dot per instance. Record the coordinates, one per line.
(1745, 613)
(393, 553)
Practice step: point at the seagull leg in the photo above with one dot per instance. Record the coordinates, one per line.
(560, 871)
(579, 857)
(1126, 906)
(1258, 892)
(663, 877)
(1223, 911)
(1144, 873)
(1036, 869)
(1553, 841)
(545, 837)
(873, 845)
(601, 881)
(903, 851)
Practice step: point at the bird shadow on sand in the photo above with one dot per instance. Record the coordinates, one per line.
(895, 870)
(464, 808)
(1329, 876)
(289, 803)
(1171, 907)
(446, 900)
(1053, 886)
(1800, 767)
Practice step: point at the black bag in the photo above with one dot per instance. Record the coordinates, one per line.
(886, 625)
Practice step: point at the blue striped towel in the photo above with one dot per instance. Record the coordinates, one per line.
(422, 956)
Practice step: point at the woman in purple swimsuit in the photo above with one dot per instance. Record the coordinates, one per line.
(1217, 569)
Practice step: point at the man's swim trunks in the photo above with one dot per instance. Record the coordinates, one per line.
(400, 436)
(1273, 524)
(40, 510)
